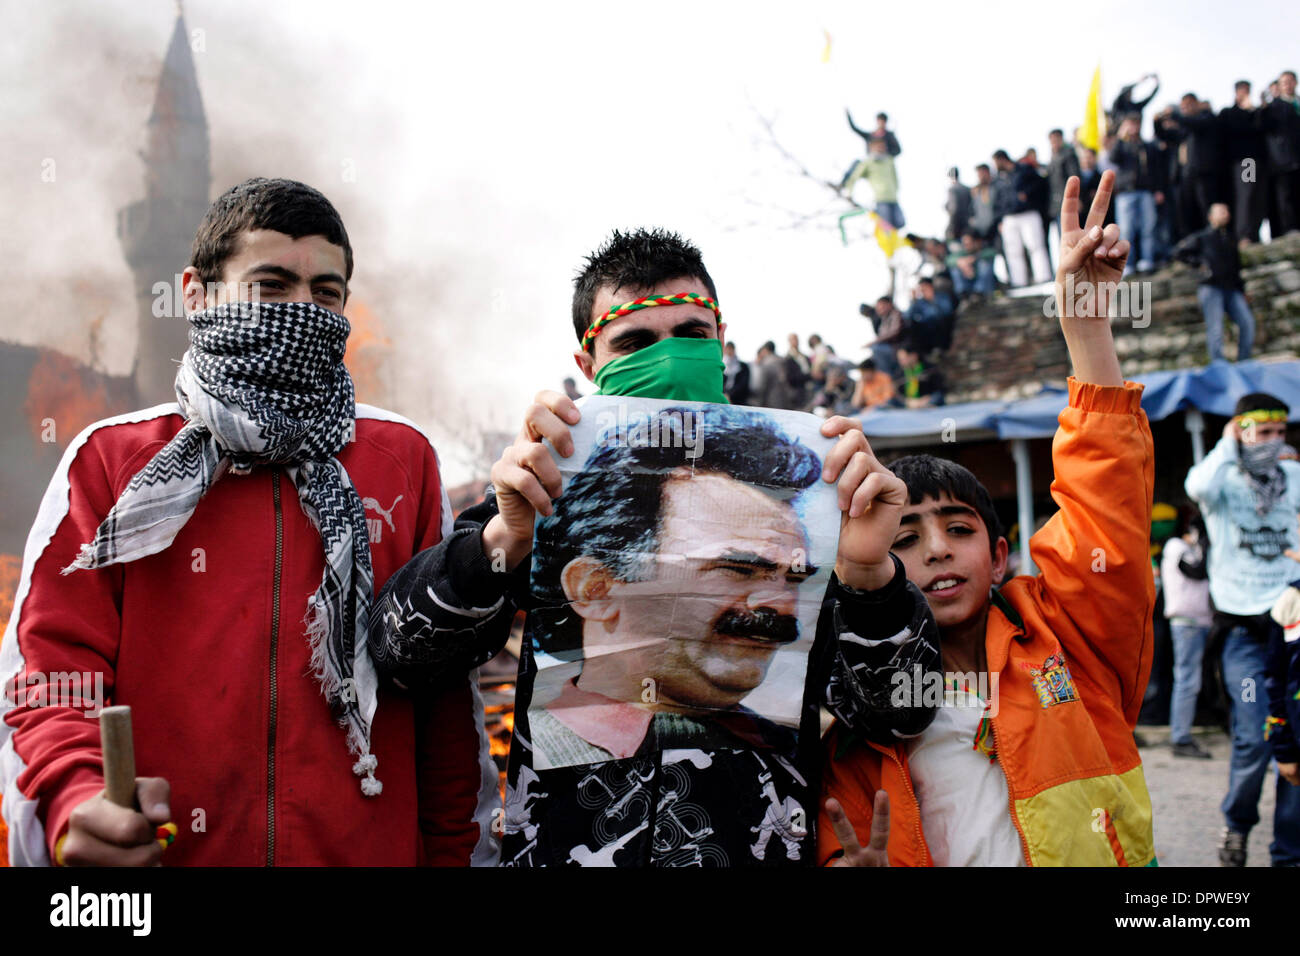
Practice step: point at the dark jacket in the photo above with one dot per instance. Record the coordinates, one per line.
(1242, 136)
(1138, 166)
(667, 804)
(1020, 190)
(1280, 121)
(1063, 165)
(737, 386)
(1203, 136)
(1215, 250)
(958, 208)
(891, 141)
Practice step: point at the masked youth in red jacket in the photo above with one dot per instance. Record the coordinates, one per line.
(211, 563)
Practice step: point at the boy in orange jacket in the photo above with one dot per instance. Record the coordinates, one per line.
(1031, 760)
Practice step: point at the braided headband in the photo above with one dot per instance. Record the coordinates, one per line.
(1262, 415)
(646, 302)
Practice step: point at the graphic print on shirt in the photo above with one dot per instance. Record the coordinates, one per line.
(1052, 682)
(1265, 543)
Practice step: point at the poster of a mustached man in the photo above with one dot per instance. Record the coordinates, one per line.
(677, 584)
(682, 575)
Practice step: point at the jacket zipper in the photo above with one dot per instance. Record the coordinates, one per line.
(907, 782)
(1011, 800)
(275, 642)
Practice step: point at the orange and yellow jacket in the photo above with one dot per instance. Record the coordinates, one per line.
(1072, 650)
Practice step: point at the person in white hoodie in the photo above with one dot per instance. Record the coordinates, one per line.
(1187, 606)
(1250, 497)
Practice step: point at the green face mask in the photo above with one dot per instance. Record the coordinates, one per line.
(673, 369)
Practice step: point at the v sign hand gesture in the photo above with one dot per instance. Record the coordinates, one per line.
(1090, 269)
(873, 854)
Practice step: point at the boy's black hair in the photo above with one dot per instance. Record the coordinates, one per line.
(930, 477)
(1260, 402)
(639, 259)
(281, 205)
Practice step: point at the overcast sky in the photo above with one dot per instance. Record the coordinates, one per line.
(489, 147)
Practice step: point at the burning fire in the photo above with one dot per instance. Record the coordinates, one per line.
(11, 566)
(367, 348)
(499, 721)
(59, 392)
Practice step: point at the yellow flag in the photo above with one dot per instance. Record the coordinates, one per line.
(826, 50)
(887, 236)
(1090, 131)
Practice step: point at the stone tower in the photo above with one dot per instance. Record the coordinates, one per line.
(156, 232)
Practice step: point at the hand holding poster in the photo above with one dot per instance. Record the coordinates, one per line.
(680, 576)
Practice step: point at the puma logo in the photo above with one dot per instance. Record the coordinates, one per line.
(375, 526)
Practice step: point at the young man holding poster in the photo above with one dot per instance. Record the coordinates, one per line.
(646, 315)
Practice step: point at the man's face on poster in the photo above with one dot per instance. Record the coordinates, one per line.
(719, 599)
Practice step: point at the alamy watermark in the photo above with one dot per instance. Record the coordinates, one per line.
(169, 298)
(1124, 300)
(668, 429)
(83, 690)
(922, 688)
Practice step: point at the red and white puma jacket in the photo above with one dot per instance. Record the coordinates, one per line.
(206, 642)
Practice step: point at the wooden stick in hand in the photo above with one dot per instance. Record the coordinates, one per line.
(119, 755)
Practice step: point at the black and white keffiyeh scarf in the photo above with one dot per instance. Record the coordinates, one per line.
(1262, 464)
(265, 384)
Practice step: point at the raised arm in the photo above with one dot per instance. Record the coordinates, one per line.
(878, 624)
(1204, 483)
(865, 136)
(877, 636)
(450, 608)
(446, 611)
(1087, 278)
(1095, 583)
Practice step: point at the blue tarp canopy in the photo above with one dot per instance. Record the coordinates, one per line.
(1213, 389)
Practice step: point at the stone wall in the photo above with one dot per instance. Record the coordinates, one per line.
(1008, 348)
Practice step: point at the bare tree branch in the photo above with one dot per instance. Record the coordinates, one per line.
(826, 218)
(794, 161)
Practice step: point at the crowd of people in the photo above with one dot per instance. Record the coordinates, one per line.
(821, 381)
(1198, 191)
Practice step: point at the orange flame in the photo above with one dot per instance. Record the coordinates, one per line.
(367, 346)
(58, 391)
